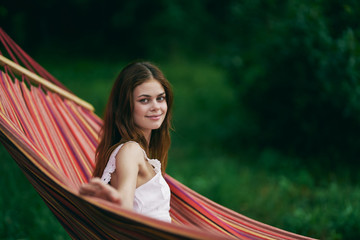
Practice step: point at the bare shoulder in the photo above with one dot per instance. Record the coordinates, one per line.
(130, 153)
(129, 161)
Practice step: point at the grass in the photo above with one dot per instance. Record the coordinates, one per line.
(23, 214)
(266, 185)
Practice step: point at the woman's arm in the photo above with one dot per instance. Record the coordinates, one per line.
(123, 180)
(126, 175)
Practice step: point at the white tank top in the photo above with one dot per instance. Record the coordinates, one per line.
(153, 197)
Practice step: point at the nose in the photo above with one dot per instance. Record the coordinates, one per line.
(155, 106)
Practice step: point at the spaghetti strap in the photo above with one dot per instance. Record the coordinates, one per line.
(139, 146)
(154, 162)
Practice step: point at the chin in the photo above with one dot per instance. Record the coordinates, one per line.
(156, 127)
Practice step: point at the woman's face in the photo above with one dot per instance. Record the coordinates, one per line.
(150, 106)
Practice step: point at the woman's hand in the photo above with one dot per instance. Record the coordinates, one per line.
(96, 188)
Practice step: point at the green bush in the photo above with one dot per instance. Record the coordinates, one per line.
(295, 66)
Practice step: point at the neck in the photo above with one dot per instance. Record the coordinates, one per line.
(147, 136)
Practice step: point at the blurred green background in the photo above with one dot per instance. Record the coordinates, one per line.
(267, 100)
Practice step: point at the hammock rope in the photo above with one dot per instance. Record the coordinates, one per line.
(53, 140)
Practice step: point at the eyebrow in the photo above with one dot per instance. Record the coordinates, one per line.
(146, 95)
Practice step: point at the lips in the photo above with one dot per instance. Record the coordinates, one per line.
(154, 117)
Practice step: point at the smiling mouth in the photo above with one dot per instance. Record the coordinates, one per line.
(154, 117)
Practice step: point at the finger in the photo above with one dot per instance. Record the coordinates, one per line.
(109, 193)
(98, 188)
(88, 189)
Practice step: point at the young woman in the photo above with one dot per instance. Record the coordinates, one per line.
(136, 127)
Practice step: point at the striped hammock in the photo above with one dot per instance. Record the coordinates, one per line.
(52, 135)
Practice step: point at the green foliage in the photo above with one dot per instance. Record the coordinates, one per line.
(206, 110)
(296, 71)
(23, 214)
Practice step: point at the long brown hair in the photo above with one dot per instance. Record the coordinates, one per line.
(119, 125)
